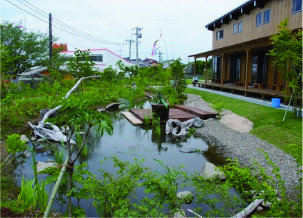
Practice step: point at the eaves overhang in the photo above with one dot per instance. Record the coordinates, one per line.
(257, 43)
(234, 14)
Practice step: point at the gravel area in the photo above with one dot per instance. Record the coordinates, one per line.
(234, 144)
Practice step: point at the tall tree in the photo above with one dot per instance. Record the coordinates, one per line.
(287, 53)
(23, 49)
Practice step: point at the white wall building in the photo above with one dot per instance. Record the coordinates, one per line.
(103, 58)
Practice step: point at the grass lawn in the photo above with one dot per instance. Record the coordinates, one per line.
(267, 122)
(190, 81)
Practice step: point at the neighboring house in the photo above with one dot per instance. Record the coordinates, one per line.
(103, 58)
(241, 40)
(166, 63)
(151, 62)
(34, 76)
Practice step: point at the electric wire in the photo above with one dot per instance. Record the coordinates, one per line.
(79, 34)
(96, 14)
(59, 22)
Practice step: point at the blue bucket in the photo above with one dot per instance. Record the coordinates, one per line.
(275, 102)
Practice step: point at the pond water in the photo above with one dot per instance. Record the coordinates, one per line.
(128, 142)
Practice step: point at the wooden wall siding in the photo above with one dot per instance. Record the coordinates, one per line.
(279, 10)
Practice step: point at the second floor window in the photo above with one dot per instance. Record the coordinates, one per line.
(219, 35)
(296, 6)
(238, 28)
(259, 19)
(266, 16)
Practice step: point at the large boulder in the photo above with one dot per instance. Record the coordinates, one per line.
(236, 122)
(209, 171)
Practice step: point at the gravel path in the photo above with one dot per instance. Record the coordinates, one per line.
(244, 146)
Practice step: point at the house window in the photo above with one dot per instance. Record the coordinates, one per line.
(266, 16)
(219, 34)
(238, 28)
(259, 19)
(296, 6)
(97, 58)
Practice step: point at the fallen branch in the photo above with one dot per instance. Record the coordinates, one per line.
(55, 133)
(249, 209)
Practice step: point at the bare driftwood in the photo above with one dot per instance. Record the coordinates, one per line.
(249, 209)
(52, 132)
(178, 128)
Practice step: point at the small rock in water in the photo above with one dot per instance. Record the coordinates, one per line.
(27, 153)
(259, 208)
(180, 213)
(43, 165)
(209, 171)
(101, 109)
(186, 195)
(24, 138)
(113, 106)
(190, 150)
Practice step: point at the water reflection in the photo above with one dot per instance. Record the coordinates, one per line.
(128, 142)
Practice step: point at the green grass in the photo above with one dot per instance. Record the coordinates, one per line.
(190, 81)
(267, 121)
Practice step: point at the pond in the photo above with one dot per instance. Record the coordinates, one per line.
(128, 142)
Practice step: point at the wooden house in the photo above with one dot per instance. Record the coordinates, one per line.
(240, 43)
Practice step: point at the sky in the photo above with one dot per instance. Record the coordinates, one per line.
(109, 24)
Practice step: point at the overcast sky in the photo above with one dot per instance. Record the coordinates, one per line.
(181, 23)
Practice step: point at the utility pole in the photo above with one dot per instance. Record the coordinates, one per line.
(160, 53)
(130, 46)
(138, 36)
(50, 38)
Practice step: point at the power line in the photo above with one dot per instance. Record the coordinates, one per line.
(88, 10)
(76, 32)
(26, 11)
(70, 27)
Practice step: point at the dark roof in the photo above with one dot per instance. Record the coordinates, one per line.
(34, 71)
(234, 14)
(150, 61)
